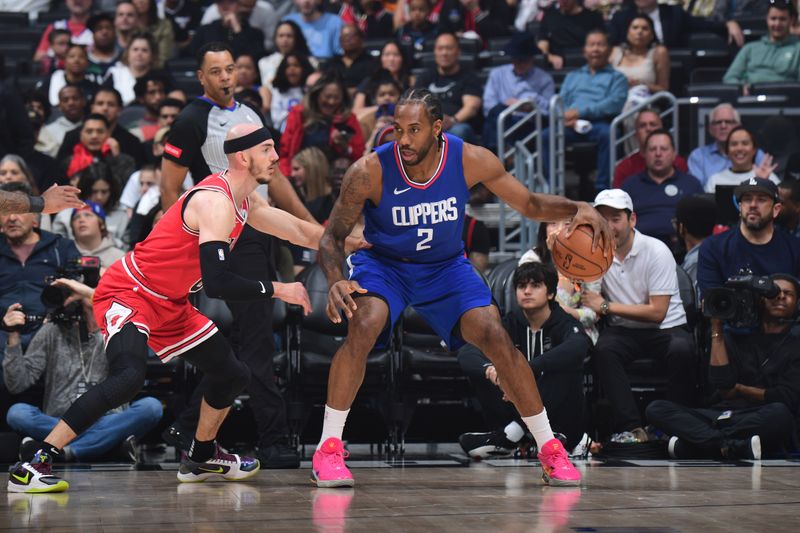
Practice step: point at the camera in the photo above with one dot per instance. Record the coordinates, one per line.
(84, 269)
(739, 302)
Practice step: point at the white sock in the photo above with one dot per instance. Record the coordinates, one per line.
(539, 425)
(514, 432)
(332, 424)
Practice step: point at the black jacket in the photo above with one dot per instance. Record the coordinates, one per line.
(676, 25)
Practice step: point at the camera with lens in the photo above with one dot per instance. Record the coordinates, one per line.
(84, 269)
(739, 302)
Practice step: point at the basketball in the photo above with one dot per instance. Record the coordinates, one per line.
(574, 258)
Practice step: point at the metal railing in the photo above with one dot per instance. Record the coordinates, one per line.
(615, 141)
(557, 147)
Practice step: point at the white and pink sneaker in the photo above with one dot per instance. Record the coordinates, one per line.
(327, 466)
(557, 469)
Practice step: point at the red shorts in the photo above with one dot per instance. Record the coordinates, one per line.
(172, 326)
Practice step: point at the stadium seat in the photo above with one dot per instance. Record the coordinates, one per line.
(791, 90)
(722, 91)
(501, 285)
(9, 19)
(706, 75)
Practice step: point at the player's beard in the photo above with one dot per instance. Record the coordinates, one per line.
(422, 153)
(262, 176)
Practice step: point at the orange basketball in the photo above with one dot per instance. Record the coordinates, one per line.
(574, 258)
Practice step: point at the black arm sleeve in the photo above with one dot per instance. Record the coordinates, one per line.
(220, 282)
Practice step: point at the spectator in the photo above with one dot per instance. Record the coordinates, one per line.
(263, 15)
(673, 25)
(355, 64)
(234, 29)
(564, 26)
(91, 236)
(647, 121)
(37, 107)
(508, 84)
(72, 104)
(144, 212)
(288, 87)
(554, 345)
(392, 60)
(756, 377)
(168, 111)
(656, 191)
(28, 256)
(185, 19)
(323, 119)
(309, 174)
(104, 51)
(13, 169)
(788, 218)
(378, 121)
(707, 160)
(107, 102)
(642, 304)
(775, 58)
(247, 77)
(596, 93)
(56, 53)
(474, 19)
(457, 88)
(322, 206)
(418, 30)
(288, 38)
(70, 365)
(150, 91)
(126, 23)
(321, 30)
(76, 65)
(753, 245)
(371, 17)
(139, 58)
(695, 217)
(160, 28)
(721, 10)
(741, 149)
(76, 24)
(95, 145)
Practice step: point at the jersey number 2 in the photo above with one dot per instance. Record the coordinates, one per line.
(427, 236)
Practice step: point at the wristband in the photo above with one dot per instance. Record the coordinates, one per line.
(36, 204)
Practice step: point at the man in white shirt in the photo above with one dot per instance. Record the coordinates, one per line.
(645, 318)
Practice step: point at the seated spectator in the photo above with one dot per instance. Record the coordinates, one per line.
(13, 169)
(741, 149)
(76, 64)
(753, 245)
(168, 111)
(28, 256)
(418, 30)
(149, 20)
(104, 52)
(722, 10)
(70, 365)
(288, 88)
(79, 11)
(323, 119)
(458, 89)
(247, 77)
(675, 25)
(139, 58)
(98, 185)
(288, 38)
(150, 91)
(378, 120)
(595, 93)
(393, 60)
(775, 58)
(788, 219)
(554, 345)
(322, 206)
(309, 174)
(354, 64)
(756, 377)
(72, 104)
(508, 84)
(88, 226)
(656, 191)
(642, 304)
(473, 19)
(43, 167)
(264, 15)
(321, 30)
(564, 26)
(646, 122)
(707, 160)
(695, 217)
(185, 19)
(56, 54)
(96, 144)
(371, 17)
(126, 23)
(234, 29)
(107, 102)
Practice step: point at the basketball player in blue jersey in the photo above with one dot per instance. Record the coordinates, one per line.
(413, 193)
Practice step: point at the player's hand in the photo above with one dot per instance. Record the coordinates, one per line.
(339, 299)
(353, 244)
(60, 197)
(14, 316)
(77, 291)
(591, 217)
(292, 293)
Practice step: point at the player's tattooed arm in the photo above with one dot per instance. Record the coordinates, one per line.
(14, 203)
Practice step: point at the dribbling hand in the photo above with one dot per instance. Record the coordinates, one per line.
(60, 197)
(292, 293)
(591, 217)
(339, 299)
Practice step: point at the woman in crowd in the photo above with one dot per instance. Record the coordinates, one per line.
(247, 77)
(159, 28)
(288, 87)
(13, 169)
(741, 150)
(309, 174)
(288, 38)
(138, 59)
(393, 61)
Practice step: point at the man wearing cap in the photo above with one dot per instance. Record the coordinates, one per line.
(508, 84)
(645, 318)
(91, 236)
(754, 245)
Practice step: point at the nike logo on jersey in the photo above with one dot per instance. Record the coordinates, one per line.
(223, 124)
(401, 191)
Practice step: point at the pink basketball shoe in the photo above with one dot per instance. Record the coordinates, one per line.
(557, 469)
(327, 466)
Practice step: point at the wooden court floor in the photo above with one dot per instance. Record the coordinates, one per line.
(427, 496)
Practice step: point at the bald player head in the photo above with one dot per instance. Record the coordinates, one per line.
(250, 148)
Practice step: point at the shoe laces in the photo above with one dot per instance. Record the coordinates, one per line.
(337, 458)
(559, 459)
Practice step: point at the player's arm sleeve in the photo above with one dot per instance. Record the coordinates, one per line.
(185, 138)
(220, 282)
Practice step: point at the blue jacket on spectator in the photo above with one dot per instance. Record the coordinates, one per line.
(598, 96)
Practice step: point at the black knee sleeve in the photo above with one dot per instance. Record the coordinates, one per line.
(226, 376)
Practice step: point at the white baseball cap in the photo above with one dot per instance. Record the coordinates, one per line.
(616, 198)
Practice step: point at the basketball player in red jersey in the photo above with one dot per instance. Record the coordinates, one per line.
(143, 300)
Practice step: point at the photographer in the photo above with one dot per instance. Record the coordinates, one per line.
(68, 351)
(757, 381)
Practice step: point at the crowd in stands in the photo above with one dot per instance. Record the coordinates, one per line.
(93, 101)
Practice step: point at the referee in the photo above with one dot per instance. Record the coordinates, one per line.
(194, 144)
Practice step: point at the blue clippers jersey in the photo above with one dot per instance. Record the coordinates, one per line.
(420, 222)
